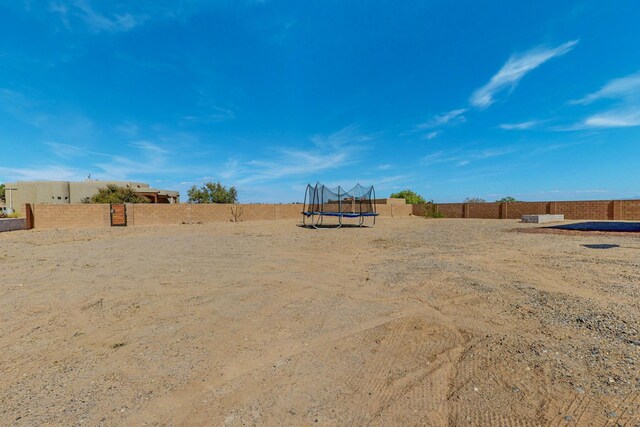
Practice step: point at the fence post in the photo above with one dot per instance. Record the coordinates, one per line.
(28, 214)
(503, 210)
(617, 210)
(465, 210)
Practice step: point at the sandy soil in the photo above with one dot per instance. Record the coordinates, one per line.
(413, 322)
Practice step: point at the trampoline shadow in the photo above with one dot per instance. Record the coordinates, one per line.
(614, 226)
(332, 226)
(601, 246)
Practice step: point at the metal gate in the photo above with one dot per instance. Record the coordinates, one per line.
(118, 215)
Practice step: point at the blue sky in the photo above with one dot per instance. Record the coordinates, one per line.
(538, 100)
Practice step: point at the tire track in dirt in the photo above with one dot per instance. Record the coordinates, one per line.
(405, 376)
(183, 400)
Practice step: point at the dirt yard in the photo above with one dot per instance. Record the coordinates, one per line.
(413, 322)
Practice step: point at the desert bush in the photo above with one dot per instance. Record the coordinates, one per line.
(474, 200)
(236, 213)
(411, 197)
(116, 195)
(11, 215)
(431, 211)
(507, 199)
(212, 193)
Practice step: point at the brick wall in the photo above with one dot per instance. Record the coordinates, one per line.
(449, 210)
(629, 209)
(71, 216)
(589, 209)
(517, 209)
(88, 215)
(484, 210)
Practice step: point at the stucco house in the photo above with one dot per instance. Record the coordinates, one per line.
(69, 192)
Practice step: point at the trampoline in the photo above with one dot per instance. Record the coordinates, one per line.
(321, 201)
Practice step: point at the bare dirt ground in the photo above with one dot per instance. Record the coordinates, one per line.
(413, 322)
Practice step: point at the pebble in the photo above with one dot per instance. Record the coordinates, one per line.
(568, 418)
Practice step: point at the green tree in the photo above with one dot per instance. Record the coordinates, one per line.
(212, 193)
(411, 197)
(117, 195)
(2, 191)
(474, 200)
(507, 199)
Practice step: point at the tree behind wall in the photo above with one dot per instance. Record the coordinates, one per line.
(411, 197)
(116, 195)
(212, 193)
(2, 191)
(474, 200)
(507, 199)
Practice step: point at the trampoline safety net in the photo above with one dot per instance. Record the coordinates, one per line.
(320, 200)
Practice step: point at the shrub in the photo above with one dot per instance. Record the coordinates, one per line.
(11, 215)
(474, 200)
(431, 211)
(116, 195)
(212, 193)
(507, 199)
(411, 197)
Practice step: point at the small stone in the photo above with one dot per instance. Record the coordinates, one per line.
(568, 418)
(612, 414)
(611, 380)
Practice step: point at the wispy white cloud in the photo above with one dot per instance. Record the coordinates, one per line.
(99, 16)
(506, 79)
(95, 21)
(521, 126)
(625, 111)
(48, 173)
(65, 150)
(142, 158)
(214, 115)
(325, 152)
(464, 157)
(627, 87)
(516, 67)
(432, 135)
(621, 118)
(450, 117)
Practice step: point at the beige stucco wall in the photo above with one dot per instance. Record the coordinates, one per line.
(59, 192)
(50, 192)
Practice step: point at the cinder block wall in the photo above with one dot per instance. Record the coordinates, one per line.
(71, 216)
(90, 215)
(588, 209)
